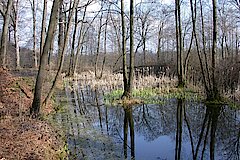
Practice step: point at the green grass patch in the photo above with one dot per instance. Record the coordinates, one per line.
(153, 96)
(148, 96)
(182, 93)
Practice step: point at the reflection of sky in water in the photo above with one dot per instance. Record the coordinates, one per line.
(162, 148)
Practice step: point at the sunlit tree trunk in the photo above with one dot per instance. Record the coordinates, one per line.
(70, 69)
(43, 31)
(16, 38)
(4, 41)
(50, 53)
(61, 28)
(33, 7)
(36, 105)
(64, 49)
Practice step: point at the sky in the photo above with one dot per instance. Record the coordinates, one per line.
(95, 6)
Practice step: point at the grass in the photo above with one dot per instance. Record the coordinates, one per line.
(152, 96)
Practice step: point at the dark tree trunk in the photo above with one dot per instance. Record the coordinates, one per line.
(125, 81)
(215, 93)
(129, 86)
(131, 71)
(181, 82)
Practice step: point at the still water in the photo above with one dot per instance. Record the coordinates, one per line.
(176, 129)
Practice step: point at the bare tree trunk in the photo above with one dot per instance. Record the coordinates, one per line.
(185, 65)
(64, 49)
(222, 46)
(117, 35)
(204, 47)
(61, 29)
(131, 70)
(159, 42)
(33, 5)
(50, 53)
(236, 42)
(43, 31)
(70, 69)
(144, 42)
(129, 86)
(36, 105)
(181, 82)
(16, 34)
(215, 92)
(98, 47)
(125, 80)
(105, 43)
(4, 41)
(80, 40)
(193, 11)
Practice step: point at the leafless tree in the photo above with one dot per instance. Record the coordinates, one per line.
(4, 41)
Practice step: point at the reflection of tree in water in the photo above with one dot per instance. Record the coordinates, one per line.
(229, 134)
(207, 134)
(216, 130)
(128, 121)
(151, 121)
(148, 121)
(210, 130)
(213, 132)
(179, 117)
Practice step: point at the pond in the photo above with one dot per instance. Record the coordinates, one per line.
(176, 129)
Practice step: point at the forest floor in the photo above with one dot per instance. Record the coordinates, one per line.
(20, 136)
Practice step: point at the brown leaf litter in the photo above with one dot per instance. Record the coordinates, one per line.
(20, 136)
